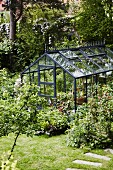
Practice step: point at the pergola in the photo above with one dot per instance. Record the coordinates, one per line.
(87, 63)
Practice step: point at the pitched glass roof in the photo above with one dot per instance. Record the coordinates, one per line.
(78, 62)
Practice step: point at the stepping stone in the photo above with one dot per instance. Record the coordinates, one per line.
(98, 156)
(109, 150)
(88, 163)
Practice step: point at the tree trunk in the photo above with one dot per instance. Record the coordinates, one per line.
(12, 34)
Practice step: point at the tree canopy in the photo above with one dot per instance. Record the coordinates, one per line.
(95, 20)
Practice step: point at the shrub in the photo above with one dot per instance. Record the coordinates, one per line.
(65, 102)
(92, 123)
(51, 122)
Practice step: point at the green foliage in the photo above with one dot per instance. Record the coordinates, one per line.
(92, 123)
(4, 17)
(5, 46)
(59, 81)
(52, 122)
(20, 114)
(8, 57)
(4, 25)
(18, 106)
(94, 22)
(19, 109)
(42, 25)
(32, 30)
(65, 102)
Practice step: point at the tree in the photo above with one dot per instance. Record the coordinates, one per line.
(108, 7)
(16, 8)
(15, 13)
(95, 21)
(41, 26)
(22, 46)
(40, 23)
(18, 107)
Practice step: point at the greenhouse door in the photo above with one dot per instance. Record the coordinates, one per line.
(47, 80)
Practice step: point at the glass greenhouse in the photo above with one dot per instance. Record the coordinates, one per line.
(76, 71)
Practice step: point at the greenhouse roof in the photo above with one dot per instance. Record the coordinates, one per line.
(78, 62)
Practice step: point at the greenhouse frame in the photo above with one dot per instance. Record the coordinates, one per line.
(87, 66)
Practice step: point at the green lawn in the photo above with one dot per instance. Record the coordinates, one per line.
(44, 153)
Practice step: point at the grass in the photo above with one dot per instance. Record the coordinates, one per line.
(44, 153)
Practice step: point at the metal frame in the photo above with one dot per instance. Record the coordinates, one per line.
(77, 62)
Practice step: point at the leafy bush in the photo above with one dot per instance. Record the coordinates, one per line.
(54, 120)
(65, 102)
(92, 123)
(51, 122)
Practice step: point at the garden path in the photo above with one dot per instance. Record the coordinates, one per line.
(92, 155)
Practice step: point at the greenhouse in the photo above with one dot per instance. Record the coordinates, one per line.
(75, 71)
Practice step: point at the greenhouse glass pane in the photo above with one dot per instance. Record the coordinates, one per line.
(46, 75)
(88, 51)
(109, 58)
(95, 61)
(33, 77)
(93, 52)
(42, 61)
(34, 67)
(104, 61)
(67, 65)
(68, 54)
(98, 50)
(81, 62)
(49, 61)
(109, 53)
(46, 90)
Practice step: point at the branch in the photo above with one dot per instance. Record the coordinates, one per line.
(12, 149)
(14, 144)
